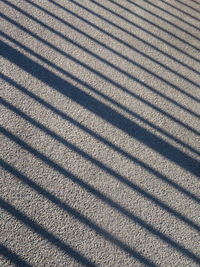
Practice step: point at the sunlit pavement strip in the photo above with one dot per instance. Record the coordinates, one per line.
(100, 132)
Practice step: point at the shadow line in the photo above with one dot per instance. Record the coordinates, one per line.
(101, 139)
(13, 257)
(104, 60)
(136, 115)
(132, 94)
(131, 34)
(101, 110)
(182, 3)
(44, 233)
(125, 57)
(182, 11)
(156, 15)
(195, 2)
(62, 205)
(100, 165)
(167, 12)
(103, 198)
(148, 21)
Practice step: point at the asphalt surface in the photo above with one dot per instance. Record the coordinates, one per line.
(100, 131)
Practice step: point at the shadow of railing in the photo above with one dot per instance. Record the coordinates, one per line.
(131, 93)
(135, 36)
(104, 141)
(100, 196)
(122, 56)
(157, 16)
(40, 230)
(131, 34)
(115, 119)
(105, 78)
(165, 11)
(194, 1)
(144, 19)
(13, 257)
(184, 4)
(107, 62)
(101, 110)
(180, 10)
(137, 116)
(99, 164)
(77, 215)
(146, 102)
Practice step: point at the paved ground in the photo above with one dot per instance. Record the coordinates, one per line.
(100, 133)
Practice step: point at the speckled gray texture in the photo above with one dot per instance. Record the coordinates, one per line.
(100, 133)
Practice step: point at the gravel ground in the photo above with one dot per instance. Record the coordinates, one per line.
(100, 133)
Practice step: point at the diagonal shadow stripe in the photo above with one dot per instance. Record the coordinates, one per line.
(129, 33)
(125, 57)
(144, 19)
(165, 11)
(182, 3)
(44, 233)
(103, 198)
(157, 16)
(13, 257)
(100, 165)
(55, 200)
(105, 61)
(77, 215)
(101, 110)
(195, 2)
(135, 36)
(124, 89)
(104, 96)
(180, 10)
(101, 139)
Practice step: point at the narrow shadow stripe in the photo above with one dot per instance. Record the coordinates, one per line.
(180, 10)
(106, 78)
(104, 198)
(134, 114)
(106, 62)
(54, 240)
(157, 16)
(182, 3)
(167, 12)
(117, 53)
(148, 21)
(100, 165)
(44, 233)
(66, 117)
(131, 34)
(103, 111)
(197, 3)
(13, 257)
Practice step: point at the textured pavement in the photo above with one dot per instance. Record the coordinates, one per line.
(100, 131)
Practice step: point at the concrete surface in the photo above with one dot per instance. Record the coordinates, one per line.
(100, 133)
